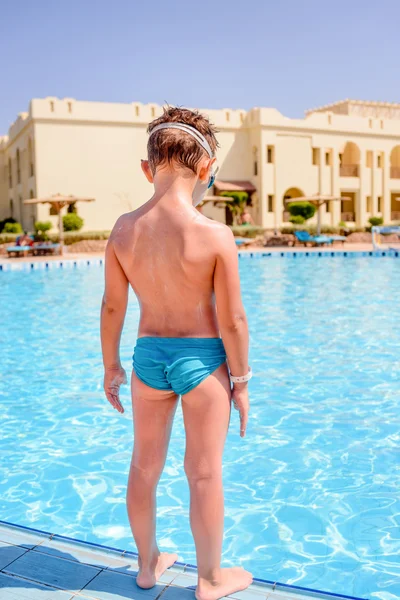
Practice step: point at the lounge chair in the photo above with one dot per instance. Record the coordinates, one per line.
(243, 242)
(19, 250)
(305, 238)
(41, 249)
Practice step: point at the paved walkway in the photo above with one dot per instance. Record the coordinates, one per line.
(42, 566)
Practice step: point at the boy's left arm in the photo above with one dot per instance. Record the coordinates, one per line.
(113, 310)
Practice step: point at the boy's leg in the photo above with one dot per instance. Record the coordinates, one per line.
(153, 413)
(206, 411)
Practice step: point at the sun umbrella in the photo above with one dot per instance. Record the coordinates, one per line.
(318, 200)
(58, 201)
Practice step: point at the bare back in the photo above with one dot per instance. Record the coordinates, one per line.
(168, 255)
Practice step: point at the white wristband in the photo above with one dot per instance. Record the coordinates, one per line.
(242, 378)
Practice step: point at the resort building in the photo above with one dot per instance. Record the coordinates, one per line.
(93, 149)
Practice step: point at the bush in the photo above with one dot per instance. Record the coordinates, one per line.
(239, 202)
(41, 229)
(297, 219)
(302, 209)
(72, 222)
(375, 221)
(12, 228)
(248, 231)
(4, 221)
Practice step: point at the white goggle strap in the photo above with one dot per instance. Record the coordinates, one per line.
(187, 129)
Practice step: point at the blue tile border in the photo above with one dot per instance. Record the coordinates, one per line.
(275, 585)
(297, 254)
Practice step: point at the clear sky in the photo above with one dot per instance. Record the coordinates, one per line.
(288, 54)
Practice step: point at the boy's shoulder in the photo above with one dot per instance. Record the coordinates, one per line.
(220, 236)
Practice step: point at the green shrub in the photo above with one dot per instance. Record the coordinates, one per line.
(8, 238)
(297, 219)
(249, 231)
(12, 228)
(42, 226)
(72, 222)
(4, 221)
(302, 209)
(239, 202)
(342, 224)
(287, 229)
(41, 229)
(375, 221)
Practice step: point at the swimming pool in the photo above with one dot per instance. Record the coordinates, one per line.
(311, 493)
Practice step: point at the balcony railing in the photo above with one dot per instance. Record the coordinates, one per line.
(395, 172)
(395, 215)
(349, 170)
(348, 216)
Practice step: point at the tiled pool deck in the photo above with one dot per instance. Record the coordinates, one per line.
(35, 565)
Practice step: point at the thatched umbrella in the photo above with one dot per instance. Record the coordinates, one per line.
(318, 200)
(58, 201)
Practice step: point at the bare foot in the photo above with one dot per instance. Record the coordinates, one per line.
(147, 578)
(231, 580)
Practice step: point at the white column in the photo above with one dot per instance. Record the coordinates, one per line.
(361, 199)
(386, 200)
(374, 197)
(335, 188)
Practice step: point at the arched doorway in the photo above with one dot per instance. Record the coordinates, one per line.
(292, 192)
(349, 160)
(395, 163)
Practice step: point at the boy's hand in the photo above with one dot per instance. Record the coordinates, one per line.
(114, 377)
(240, 399)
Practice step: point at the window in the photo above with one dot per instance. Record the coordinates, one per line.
(270, 154)
(370, 123)
(369, 158)
(31, 194)
(241, 117)
(70, 107)
(30, 159)
(11, 207)
(18, 167)
(153, 111)
(315, 156)
(369, 204)
(255, 161)
(328, 157)
(137, 111)
(379, 203)
(227, 116)
(379, 161)
(270, 203)
(327, 207)
(52, 106)
(382, 125)
(340, 158)
(9, 173)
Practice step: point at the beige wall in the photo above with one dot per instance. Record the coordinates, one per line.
(94, 149)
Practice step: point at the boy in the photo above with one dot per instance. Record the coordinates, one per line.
(183, 268)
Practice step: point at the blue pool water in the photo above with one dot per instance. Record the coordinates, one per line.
(312, 493)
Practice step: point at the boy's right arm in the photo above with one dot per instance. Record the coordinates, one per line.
(232, 319)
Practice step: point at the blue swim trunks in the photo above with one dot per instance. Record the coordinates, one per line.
(176, 363)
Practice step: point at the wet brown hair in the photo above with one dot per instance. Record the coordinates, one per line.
(173, 145)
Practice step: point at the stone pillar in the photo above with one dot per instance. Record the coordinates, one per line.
(361, 198)
(386, 200)
(374, 197)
